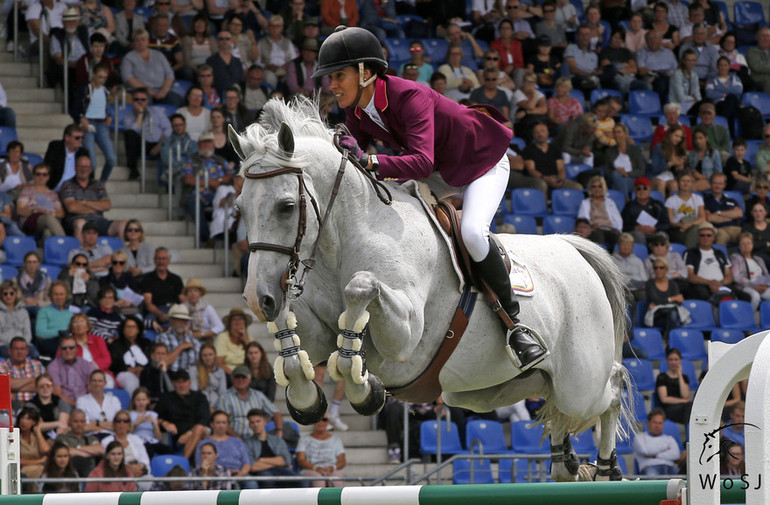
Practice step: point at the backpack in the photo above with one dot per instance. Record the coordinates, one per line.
(751, 121)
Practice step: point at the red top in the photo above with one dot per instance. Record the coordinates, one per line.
(510, 54)
(99, 352)
(660, 132)
(432, 132)
(109, 487)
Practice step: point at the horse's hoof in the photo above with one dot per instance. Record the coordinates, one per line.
(311, 415)
(375, 401)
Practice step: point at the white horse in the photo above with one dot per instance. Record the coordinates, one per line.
(382, 274)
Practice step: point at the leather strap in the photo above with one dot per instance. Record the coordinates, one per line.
(426, 387)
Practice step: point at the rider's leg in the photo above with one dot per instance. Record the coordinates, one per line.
(480, 202)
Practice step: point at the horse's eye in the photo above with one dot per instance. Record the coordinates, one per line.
(286, 206)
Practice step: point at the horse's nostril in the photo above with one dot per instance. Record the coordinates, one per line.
(268, 306)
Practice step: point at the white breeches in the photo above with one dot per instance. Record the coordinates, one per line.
(481, 200)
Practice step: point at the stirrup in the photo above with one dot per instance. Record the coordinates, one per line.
(512, 353)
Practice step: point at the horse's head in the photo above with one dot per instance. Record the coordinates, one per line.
(275, 205)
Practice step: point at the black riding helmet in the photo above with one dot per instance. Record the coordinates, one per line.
(347, 47)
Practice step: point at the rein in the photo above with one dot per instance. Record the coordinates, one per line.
(289, 282)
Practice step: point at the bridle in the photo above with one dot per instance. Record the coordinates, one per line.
(289, 282)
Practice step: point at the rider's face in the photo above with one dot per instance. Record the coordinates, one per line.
(344, 84)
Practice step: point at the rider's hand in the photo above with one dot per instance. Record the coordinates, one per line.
(349, 143)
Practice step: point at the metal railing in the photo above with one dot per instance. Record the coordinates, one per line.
(197, 190)
(143, 150)
(119, 104)
(15, 30)
(66, 71)
(229, 210)
(40, 44)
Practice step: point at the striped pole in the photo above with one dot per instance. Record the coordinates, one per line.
(648, 492)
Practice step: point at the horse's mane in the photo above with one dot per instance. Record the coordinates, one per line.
(301, 115)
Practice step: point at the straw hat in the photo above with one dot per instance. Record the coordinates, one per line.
(195, 283)
(237, 311)
(71, 14)
(179, 311)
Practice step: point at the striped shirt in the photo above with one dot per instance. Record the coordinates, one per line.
(232, 403)
(30, 369)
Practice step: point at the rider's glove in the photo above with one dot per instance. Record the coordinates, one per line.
(355, 152)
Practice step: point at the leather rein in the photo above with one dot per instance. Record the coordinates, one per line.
(289, 282)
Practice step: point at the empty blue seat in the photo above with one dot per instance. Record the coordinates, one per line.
(115, 243)
(398, 49)
(725, 12)
(701, 315)
(528, 202)
(688, 368)
(450, 439)
(747, 14)
(644, 102)
(144, 12)
(120, 394)
(489, 433)
(584, 441)
(566, 202)
(16, 247)
(51, 271)
(752, 148)
(519, 143)
(168, 110)
(639, 127)
(618, 197)
(657, 195)
(639, 406)
(526, 438)
(33, 159)
(558, 224)
(764, 315)
(689, 342)
(737, 195)
(598, 94)
(482, 472)
(7, 135)
(162, 464)
(122, 112)
(757, 99)
(180, 87)
(573, 169)
(8, 272)
(737, 315)
(727, 336)
(677, 248)
(642, 374)
(525, 225)
(523, 471)
(651, 341)
(56, 249)
(436, 49)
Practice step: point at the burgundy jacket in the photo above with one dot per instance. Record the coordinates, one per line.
(431, 131)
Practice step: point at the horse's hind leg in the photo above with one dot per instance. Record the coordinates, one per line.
(607, 462)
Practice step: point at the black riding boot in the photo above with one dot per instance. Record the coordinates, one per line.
(493, 271)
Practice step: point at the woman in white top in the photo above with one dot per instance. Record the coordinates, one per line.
(685, 212)
(460, 80)
(244, 45)
(601, 212)
(135, 454)
(15, 172)
(197, 116)
(322, 454)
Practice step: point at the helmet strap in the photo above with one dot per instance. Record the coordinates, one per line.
(362, 83)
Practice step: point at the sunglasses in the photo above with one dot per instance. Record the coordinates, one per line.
(67, 347)
(77, 137)
(511, 6)
(81, 264)
(9, 293)
(641, 188)
(413, 49)
(140, 99)
(207, 75)
(658, 268)
(706, 235)
(224, 38)
(118, 262)
(325, 419)
(488, 58)
(41, 174)
(122, 420)
(549, 10)
(135, 229)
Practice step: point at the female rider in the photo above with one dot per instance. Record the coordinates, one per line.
(438, 139)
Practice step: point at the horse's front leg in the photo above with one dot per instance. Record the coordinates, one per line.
(369, 302)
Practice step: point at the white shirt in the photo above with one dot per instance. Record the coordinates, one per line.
(683, 208)
(69, 169)
(95, 412)
(371, 111)
(53, 20)
(11, 181)
(709, 266)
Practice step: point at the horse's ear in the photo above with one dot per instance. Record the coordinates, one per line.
(286, 139)
(237, 142)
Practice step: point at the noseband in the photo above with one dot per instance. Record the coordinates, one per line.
(289, 282)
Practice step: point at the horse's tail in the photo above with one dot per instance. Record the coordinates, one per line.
(617, 294)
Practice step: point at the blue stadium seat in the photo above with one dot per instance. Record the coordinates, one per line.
(122, 112)
(689, 370)
(721, 248)
(701, 315)
(639, 127)
(528, 202)
(144, 12)
(526, 438)
(641, 310)
(489, 433)
(51, 271)
(162, 464)
(33, 159)
(167, 109)
(450, 439)
(398, 49)
(436, 49)
(525, 471)
(640, 407)
(115, 243)
(748, 13)
(644, 102)
(56, 249)
(518, 143)
(578, 95)
(689, 342)
(718, 120)
(16, 246)
(180, 87)
(120, 394)
(641, 372)
(482, 472)
(657, 195)
(737, 195)
(737, 315)
(764, 315)
(6, 135)
(651, 341)
(558, 224)
(759, 100)
(8, 272)
(640, 250)
(725, 12)
(598, 94)
(727, 336)
(683, 120)
(752, 148)
(573, 169)
(618, 197)
(584, 441)
(525, 225)
(566, 202)
(677, 248)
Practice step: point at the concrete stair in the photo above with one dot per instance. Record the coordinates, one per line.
(40, 119)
